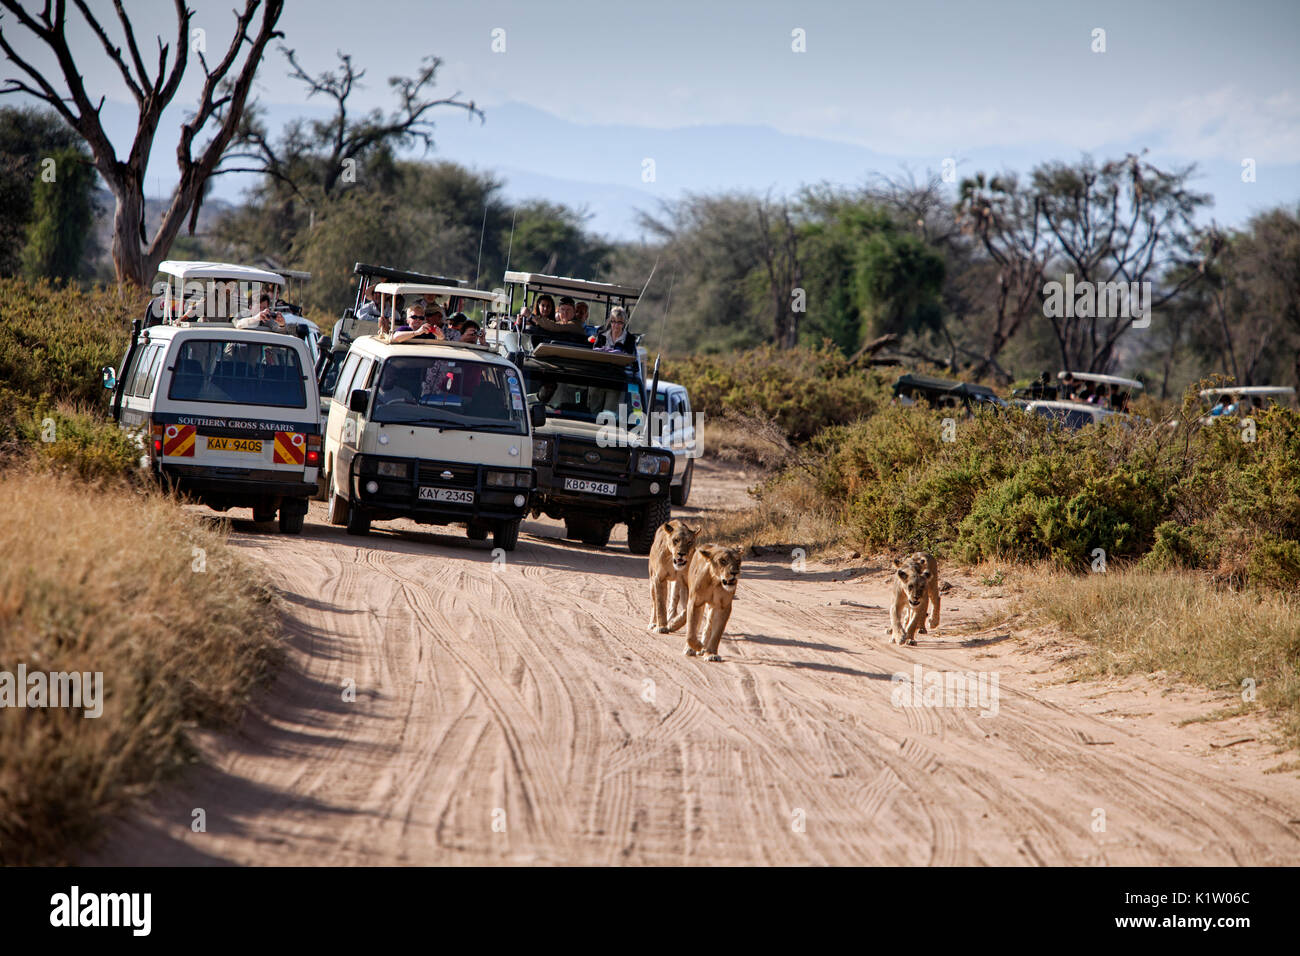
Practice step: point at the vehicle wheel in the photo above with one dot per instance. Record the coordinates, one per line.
(338, 507)
(573, 529)
(597, 534)
(476, 532)
(680, 493)
(358, 520)
(506, 535)
(291, 521)
(641, 534)
(262, 514)
(322, 488)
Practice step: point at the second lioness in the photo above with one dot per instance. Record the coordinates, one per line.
(713, 575)
(916, 585)
(669, 557)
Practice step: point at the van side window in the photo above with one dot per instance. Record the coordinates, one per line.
(344, 386)
(149, 376)
(131, 371)
(135, 387)
(365, 373)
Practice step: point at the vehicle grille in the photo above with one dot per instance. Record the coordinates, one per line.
(571, 455)
(462, 475)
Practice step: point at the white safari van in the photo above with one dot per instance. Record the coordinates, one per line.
(229, 416)
(437, 432)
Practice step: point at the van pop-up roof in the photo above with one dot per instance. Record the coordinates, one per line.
(191, 280)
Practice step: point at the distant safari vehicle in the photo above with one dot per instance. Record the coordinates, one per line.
(1073, 415)
(433, 431)
(1241, 400)
(226, 415)
(1080, 387)
(676, 432)
(942, 393)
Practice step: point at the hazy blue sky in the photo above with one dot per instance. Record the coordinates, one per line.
(714, 93)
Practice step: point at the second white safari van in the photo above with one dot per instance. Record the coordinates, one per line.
(434, 431)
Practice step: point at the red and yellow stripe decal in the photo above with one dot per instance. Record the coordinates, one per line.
(290, 448)
(178, 440)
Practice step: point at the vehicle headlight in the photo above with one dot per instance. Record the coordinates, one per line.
(506, 479)
(653, 465)
(394, 469)
(541, 449)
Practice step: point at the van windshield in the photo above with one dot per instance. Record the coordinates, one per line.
(450, 393)
(237, 373)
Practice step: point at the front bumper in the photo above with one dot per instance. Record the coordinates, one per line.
(400, 497)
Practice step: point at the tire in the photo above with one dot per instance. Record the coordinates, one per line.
(358, 520)
(641, 534)
(338, 506)
(572, 529)
(476, 532)
(291, 521)
(506, 534)
(263, 515)
(597, 535)
(680, 493)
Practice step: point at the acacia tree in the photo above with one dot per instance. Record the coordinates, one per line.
(312, 162)
(224, 95)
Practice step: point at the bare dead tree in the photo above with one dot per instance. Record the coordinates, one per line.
(1125, 221)
(312, 162)
(221, 103)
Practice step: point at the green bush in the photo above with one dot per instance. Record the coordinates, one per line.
(79, 441)
(803, 390)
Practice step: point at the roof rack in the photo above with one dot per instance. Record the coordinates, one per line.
(399, 275)
(548, 283)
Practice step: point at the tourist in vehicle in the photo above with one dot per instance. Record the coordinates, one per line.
(369, 311)
(615, 337)
(470, 332)
(420, 326)
(1101, 398)
(543, 309)
(564, 315)
(264, 318)
(1068, 385)
(455, 323)
(580, 313)
(392, 387)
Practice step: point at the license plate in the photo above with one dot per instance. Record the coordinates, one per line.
(454, 495)
(594, 487)
(247, 446)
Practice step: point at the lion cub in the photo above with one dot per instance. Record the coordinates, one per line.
(669, 557)
(916, 584)
(713, 575)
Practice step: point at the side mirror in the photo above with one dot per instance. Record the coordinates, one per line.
(359, 400)
(110, 376)
(537, 415)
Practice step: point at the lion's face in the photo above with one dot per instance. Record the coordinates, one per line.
(726, 563)
(914, 577)
(682, 539)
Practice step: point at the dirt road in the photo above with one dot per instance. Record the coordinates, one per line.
(521, 713)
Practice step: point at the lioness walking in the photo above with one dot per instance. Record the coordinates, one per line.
(916, 585)
(670, 556)
(713, 575)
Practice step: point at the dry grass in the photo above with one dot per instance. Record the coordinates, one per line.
(1181, 624)
(104, 579)
(784, 513)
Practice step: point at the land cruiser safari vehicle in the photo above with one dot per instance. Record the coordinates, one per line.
(229, 416)
(595, 468)
(433, 431)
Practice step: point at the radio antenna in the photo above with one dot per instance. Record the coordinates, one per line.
(642, 295)
(481, 230)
